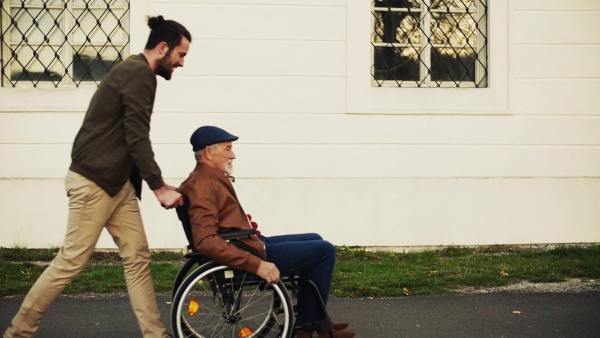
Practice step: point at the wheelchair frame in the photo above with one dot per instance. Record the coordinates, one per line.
(233, 303)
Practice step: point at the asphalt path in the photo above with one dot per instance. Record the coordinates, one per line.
(459, 315)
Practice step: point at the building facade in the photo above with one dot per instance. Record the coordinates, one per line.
(373, 123)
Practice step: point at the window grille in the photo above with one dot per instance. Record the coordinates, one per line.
(61, 42)
(429, 43)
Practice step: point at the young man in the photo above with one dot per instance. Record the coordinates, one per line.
(111, 155)
(214, 207)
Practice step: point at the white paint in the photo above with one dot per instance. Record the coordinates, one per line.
(337, 161)
(369, 212)
(321, 150)
(175, 128)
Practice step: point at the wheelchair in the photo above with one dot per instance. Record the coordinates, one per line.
(213, 300)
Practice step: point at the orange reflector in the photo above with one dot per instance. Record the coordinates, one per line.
(193, 306)
(245, 332)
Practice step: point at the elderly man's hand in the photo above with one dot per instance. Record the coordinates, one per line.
(268, 272)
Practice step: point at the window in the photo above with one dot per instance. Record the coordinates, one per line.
(61, 42)
(429, 43)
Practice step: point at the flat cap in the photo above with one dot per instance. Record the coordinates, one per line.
(209, 135)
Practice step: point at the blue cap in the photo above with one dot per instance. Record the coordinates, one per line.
(209, 135)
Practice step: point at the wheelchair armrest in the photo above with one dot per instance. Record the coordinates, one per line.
(235, 234)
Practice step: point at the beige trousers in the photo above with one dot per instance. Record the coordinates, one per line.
(91, 209)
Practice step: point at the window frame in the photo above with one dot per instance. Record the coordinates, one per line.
(425, 63)
(71, 99)
(66, 55)
(363, 98)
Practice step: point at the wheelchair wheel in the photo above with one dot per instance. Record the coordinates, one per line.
(185, 270)
(217, 301)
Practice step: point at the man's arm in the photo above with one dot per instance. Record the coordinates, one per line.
(138, 99)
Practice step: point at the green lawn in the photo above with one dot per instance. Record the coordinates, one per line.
(358, 273)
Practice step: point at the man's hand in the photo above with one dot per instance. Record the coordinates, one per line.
(168, 197)
(268, 272)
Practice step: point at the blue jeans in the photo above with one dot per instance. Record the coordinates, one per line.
(310, 255)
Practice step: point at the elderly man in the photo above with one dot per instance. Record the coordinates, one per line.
(214, 207)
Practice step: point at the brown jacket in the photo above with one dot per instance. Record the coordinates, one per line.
(113, 144)
(213, 208)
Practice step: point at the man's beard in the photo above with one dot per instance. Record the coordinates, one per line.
(229, 168)
(164, 67)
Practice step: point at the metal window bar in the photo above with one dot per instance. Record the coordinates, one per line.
(61, 42)
(429, 43)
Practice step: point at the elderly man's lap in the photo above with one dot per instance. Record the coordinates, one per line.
(289, 253)
(290, 238)
(313, 257)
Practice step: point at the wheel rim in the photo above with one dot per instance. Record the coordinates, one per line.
(224, 309)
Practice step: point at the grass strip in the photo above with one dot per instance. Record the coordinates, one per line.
(384, 274)
(358, 273)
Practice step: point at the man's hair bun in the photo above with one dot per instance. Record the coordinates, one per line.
(155, 21)
(168, 31)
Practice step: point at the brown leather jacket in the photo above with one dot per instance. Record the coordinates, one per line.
(213, 208)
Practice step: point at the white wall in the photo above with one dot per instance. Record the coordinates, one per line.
(321, 150)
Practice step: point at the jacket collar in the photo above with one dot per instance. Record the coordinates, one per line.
(143, 57)
(218, 173)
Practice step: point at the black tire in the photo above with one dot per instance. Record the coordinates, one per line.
(183, 272)
(228, 301)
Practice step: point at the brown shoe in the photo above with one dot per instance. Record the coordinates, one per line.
(337, 334)
(325, 334)
(340, 325)
(303, 334)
